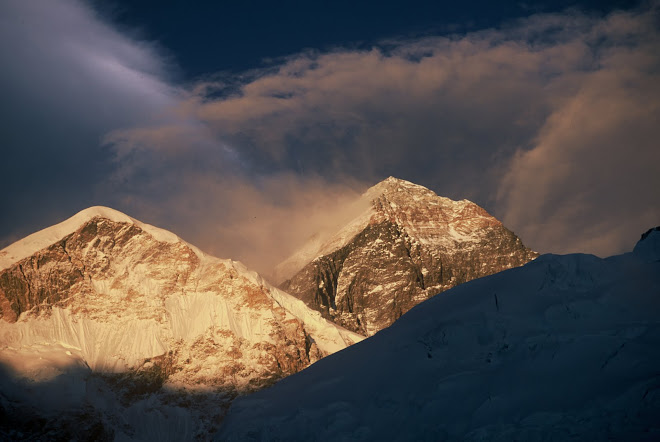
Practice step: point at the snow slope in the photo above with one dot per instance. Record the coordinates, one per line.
(563, 348)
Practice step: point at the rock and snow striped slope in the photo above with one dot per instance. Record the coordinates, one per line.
(109, 294)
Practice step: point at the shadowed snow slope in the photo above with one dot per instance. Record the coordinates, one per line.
(563, 348)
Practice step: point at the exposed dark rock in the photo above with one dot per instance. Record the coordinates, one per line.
(414, 246)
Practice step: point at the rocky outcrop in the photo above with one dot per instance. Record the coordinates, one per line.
(409, 245)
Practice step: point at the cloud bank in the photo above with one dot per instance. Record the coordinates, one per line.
(549, 122)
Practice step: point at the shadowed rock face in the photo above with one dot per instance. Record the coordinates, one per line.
(413, 246)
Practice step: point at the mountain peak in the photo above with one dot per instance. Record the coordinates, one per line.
(153, 316)
(44, 238)
(393, 185)
(648, 247)
(406, 245)
(405, 193)
(398, 181)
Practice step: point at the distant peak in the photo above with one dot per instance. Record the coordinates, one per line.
(405, 192)
(648, 247)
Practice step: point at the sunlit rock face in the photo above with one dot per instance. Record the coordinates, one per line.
(148, 311)
(406, 246)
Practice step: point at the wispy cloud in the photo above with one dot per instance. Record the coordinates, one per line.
(67, 78)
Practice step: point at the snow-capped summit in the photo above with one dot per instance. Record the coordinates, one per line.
(393, 185)
(405, 245)
(44, 238)
(50, 235)
(106, 293)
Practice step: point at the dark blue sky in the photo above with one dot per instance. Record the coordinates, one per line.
(246, 126)
(207, 37)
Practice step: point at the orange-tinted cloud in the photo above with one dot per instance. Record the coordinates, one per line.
(259, 223)
(551, 124)
(591, 182)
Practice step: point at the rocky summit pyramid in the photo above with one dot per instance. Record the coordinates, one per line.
(407, 245)
(102, 302)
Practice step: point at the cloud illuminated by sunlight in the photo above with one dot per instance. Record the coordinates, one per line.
(550, 123)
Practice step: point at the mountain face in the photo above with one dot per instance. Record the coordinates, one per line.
(563, 348)
(406, 246)
(136, 310)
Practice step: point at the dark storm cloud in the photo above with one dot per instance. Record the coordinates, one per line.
(551, 123)
(67, 79)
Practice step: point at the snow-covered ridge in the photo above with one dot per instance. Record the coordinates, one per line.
(39, 240)
(329, 337)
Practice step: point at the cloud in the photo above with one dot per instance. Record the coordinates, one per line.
(259, 222)
(67, 78)
(549, 122)
(93, 116)
(591, 181)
